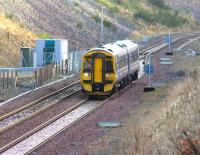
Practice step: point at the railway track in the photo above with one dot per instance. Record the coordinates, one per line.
(26, 145)
(21, 141)
(161, 41)
(25, 112)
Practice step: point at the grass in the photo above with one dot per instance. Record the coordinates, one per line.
(45, 36)
(109, 5)
(151, 15)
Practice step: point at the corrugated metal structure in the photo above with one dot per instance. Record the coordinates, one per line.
(75, 61)
(51, 50)
(27, 57)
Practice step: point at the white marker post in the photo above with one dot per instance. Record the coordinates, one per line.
(149, 69)
(169, 42)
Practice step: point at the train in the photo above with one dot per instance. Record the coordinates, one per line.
(110, 67)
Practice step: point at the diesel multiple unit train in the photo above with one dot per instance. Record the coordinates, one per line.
(109, 67)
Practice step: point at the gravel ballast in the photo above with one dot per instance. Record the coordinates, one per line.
(75, 139)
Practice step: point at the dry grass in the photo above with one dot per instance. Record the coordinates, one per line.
(12, 35)
(167, 120)
(170, 126)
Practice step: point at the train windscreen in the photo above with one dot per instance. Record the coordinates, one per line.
(87, 65)
(109, 66)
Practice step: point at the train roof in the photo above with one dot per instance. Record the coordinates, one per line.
(118, 47)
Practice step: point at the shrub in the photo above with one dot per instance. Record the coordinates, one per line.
(158, 3)
(45, 36)
(79, 25)
(9, 16)
(109, 5)
(96, 18)
(163, 17)
(109, 25)
(144, 15)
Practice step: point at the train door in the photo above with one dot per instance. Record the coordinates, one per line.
(98, 71)
(98, 64)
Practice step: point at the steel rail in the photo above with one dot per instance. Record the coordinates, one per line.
(15, 142)
(143, 52)
(18, 140)
(67, 87)
(9, 114)
(39, 111)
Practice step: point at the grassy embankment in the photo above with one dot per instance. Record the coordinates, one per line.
(151, 16)
(166, 121)
(13, 35)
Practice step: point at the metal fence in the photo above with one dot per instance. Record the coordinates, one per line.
(30, 76)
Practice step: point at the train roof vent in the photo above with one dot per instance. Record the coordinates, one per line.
(101, 45)
(122, 45)
(110, 50)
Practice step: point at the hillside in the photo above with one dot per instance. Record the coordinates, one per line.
(80, 21)
(12, 35)
(188, 6)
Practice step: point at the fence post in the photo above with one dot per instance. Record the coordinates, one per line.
(59, 68)
(7, 79)
(36, 78)
(11, 78)
(56, 69)
(41, 77)
(66, 66)
(3, 80)
(62, 66)
(16, 76)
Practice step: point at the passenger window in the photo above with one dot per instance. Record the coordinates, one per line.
(87, 66)
(109, 66)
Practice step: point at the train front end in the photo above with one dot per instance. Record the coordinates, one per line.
(98, 72)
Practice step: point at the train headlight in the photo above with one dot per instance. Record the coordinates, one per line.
(107, 75)
(86, 74)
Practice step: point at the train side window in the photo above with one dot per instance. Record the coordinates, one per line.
(87, 65)
(109, 66)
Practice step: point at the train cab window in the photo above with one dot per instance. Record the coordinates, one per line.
(109, 66)
(87, 66)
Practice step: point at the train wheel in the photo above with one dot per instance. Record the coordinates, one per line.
(125, 81)
(130, 79)
(92, 97)
(136, 75)
(115, 89)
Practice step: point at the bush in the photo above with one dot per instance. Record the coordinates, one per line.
(109, 25)
(163, 17)
(9, 16)
(79, 25)
(45, 36)
(169, 20)
(109, 5)
(96, 18)
(144, 15)
(158, 3)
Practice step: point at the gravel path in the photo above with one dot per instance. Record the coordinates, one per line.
(75, 140)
